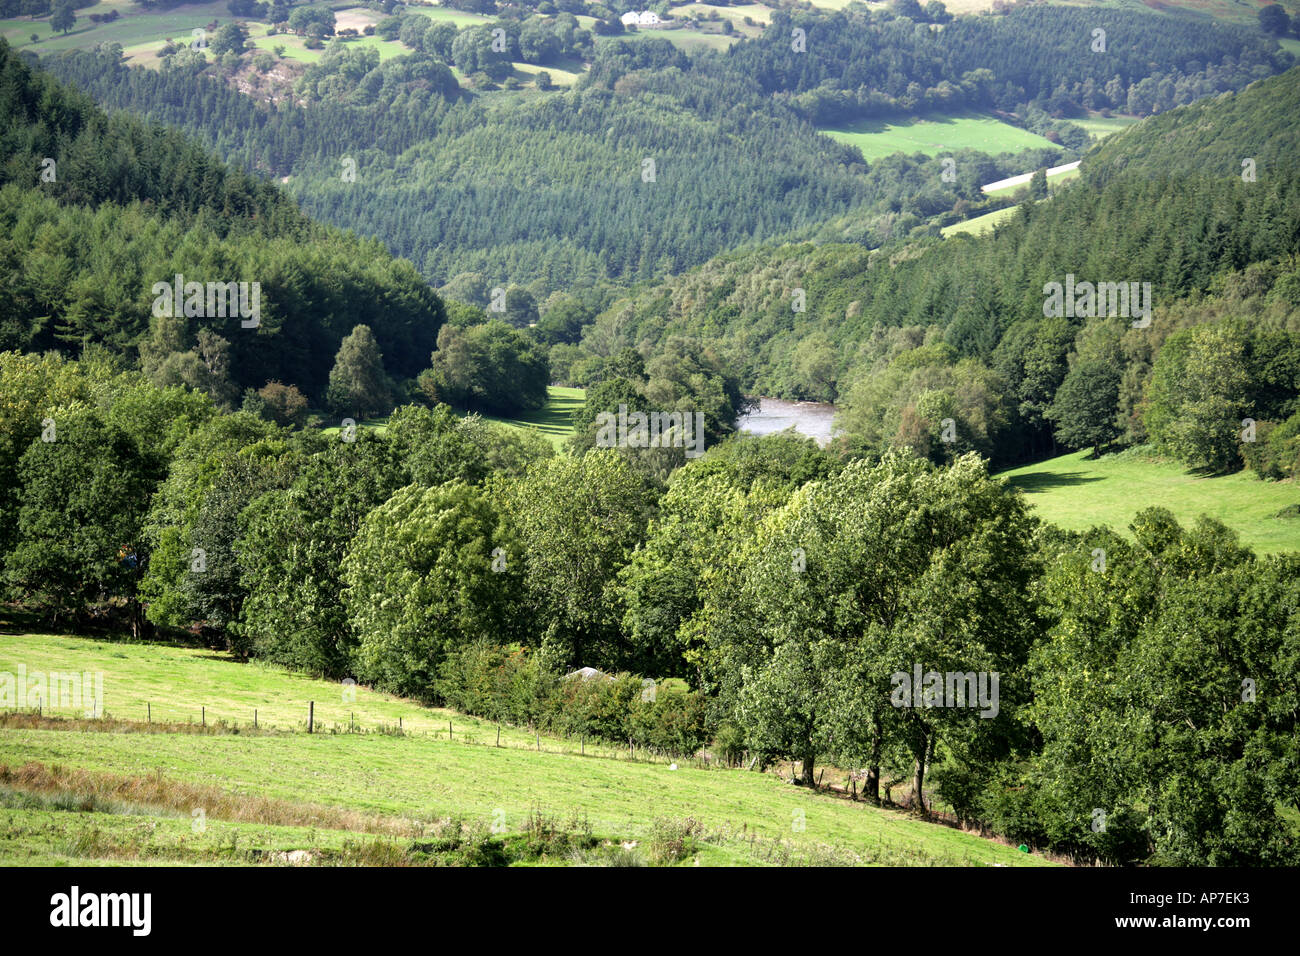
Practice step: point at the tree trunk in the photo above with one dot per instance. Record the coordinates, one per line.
(871, 787)
(807, 774)
(919, 780)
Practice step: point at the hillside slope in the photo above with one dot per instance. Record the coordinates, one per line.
(95, 210)
(953, 318)
(738, 817)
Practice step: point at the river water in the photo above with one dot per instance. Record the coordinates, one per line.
(775, 414)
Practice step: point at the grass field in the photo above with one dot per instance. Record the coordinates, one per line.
(980, 224)
(81, 794)
(142, 33)
(1103, 126)
(1076, 492)
(688, 40)
(295, 47)
(935, 134)
(554, 421)
(133, 28)
(560, 76)
(759, 14)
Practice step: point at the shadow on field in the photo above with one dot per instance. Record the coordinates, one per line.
(1036, 481)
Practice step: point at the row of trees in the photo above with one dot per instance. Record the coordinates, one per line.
(539, 40)
(856, 62)
(1130, 698)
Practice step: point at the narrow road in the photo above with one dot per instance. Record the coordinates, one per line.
(1025, 177)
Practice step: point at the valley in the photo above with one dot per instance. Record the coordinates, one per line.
(971, 572)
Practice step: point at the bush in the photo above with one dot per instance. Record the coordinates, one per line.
(285, 404)
(508, 684)
(729, 744)
(674, 840)
(1275, 452)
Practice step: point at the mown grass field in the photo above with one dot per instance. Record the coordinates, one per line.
(107, 795)
(142, 32)
(133, 28)
(1076, 492)
(553, 421)
(689, 40)
(295, 47)
(934, 134)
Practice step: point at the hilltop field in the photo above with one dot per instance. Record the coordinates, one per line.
(199, 784)
(1077, 492)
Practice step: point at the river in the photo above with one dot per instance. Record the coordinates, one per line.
(776, 414)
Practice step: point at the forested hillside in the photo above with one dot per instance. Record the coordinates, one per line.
(859, 63)
(96, 210)
(657, 159)
(957, 328)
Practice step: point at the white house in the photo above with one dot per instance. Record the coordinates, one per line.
(646, 18)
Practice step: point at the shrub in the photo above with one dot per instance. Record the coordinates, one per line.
(729, 744)
(1275, 452)
(674, 840)
(284, 403)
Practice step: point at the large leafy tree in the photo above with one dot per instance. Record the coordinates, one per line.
(579, 520)
(437, 445)
(1165, 697)
(1084, 406)
(64, 17)
(427, 574)
(1200, 394)
(358, 385)
(31, 388)
(194, 573)
(711, 509)
(490, 368)
(291, 550)
(1273, 19)
(83, 499)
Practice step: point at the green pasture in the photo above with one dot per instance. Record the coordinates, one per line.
(934, 134)
(1076, 492)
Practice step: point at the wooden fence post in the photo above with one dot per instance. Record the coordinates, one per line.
(254, 718)
(311, 715)
(498, 734)
(203, 716)
(449, 730)
(149, 710)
